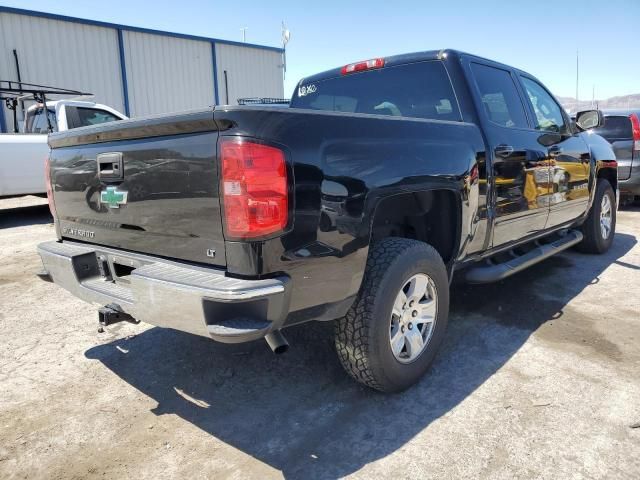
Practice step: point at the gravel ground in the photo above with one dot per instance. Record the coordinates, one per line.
(544, 384)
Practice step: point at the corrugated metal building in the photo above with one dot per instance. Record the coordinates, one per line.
(135, 70)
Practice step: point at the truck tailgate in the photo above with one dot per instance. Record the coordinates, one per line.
(148, 186)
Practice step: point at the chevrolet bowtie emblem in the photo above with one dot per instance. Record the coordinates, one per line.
(113, 198)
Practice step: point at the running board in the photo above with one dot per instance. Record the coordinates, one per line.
(492, 272)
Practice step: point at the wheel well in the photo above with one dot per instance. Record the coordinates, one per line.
(610, 175)
(430, 216)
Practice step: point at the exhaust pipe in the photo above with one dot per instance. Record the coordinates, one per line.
(277, 342)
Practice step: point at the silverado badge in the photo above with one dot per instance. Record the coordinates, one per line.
(113, 198)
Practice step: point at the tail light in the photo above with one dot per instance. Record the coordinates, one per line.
(254, 189)
(47, 179)
(362, 66)
(635, 125)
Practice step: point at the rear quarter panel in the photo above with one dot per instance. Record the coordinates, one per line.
(343, 165)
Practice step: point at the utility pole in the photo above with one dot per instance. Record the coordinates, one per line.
(244, 34)
(577, 77)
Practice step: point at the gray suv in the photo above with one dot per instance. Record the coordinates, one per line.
(622, 130)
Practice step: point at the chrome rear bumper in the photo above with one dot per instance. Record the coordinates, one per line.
(185, 297)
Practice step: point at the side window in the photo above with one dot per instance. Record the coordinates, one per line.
(548, 113)
(500, 97)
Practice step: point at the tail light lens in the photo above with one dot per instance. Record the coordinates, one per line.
(635, 125)
(47, 179)
(254, 189)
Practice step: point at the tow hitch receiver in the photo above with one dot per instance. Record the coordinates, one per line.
(110, 314)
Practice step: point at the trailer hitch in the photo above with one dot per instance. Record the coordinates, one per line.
(111, 314)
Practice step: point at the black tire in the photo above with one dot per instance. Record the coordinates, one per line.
(594, 241)
(362, 337)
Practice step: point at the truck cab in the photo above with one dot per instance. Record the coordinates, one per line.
(22, 155)
(68, 114)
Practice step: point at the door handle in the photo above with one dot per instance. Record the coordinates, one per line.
(110, 166)
(555, 151)
(503, 150)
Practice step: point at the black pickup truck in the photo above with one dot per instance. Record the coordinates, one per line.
(357, 203)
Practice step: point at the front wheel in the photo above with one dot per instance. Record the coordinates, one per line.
(600, 226)
(392, 332)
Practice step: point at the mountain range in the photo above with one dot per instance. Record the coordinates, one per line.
(624, 101)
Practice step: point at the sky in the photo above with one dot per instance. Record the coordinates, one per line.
(538, 36)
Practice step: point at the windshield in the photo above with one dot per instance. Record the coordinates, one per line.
(420, 90)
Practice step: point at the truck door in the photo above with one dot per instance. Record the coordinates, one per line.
(568, 153)
(520, 173)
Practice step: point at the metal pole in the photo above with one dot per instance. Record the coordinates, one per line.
(3, 121)
(15, 56)
(284, 62)
(226, 87)
(14, 108)
(123, 73)
(46, 113)
(577, 76)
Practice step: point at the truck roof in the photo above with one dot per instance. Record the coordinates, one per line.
(620, 111)
(411, 58)
(54, 103)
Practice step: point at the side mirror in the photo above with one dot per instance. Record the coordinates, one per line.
(589, 119)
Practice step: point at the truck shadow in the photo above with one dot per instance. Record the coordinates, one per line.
(23, 216)
(300, 414)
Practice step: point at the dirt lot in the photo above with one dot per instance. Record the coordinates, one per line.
(544, 385)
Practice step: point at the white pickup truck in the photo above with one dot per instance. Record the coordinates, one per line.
(22, 155)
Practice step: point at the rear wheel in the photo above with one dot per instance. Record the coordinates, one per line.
(392, 332)
(600, 226)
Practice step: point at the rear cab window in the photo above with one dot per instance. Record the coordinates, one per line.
(616, 127)
(417, 90)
